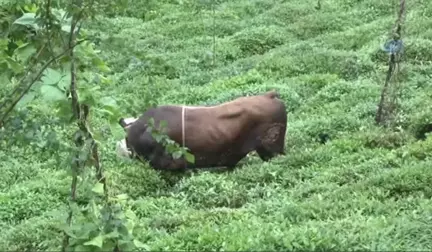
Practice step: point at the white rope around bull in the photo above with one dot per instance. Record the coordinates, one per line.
(183, 129)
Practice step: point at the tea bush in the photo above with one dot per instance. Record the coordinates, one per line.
(344, 183)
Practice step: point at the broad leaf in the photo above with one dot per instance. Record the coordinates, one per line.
(36, 86)
(100, 64)
(190, 157)
(108, 101)
(82, 248)
(51, 77)
(122, 196)
(52, 93)
(14, 66)
(130, 214)
(163, 124)
(26, 99)
(98, 188)
(139, 244)
(107, 112)
(60, 14)
(97, 241)
(113, 234)
(157, 137)
(24, 52)
(31, 8)
(64, 110)
(170, 148)
(66, 28)
(177, 154)
(65, 82)
(26, 19)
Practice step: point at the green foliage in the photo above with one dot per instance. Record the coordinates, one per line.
(104, 226)
(171, 147)
(366, 188)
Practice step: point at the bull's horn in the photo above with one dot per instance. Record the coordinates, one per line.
(122, 122)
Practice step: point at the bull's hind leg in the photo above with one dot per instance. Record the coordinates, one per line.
(271, 141)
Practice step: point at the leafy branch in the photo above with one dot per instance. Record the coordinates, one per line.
(32, 82)
(66, 83)
(171, 147)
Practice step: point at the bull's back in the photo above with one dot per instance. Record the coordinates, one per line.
(267, 108)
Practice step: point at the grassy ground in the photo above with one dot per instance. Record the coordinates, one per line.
(366, 189)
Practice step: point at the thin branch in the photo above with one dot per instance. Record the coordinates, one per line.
(392, 63)
(380, 113)
(76, 111)
(49, 25)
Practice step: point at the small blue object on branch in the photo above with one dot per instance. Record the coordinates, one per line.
(393, 46)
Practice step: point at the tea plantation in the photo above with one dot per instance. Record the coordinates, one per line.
(366, 188)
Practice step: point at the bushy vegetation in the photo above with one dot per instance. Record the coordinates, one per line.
(366, 188)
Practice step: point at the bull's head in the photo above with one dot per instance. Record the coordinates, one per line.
(121, 147)
(126, 122)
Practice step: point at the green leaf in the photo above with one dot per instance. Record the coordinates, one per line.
(51, 77)
(139, 244)
(106, 111)
(113, 234)
(26, 99)
(15, 66)
(52, 93)
(104, 80)
(108, 101)
(170, 148)
(81, 248)
(97, 241)
(66, 28)
(151, 121)
(122, 196)
(157, 137)
(36, 86)
(189, 157)
(98, 188)
(177, 154)
(31, 8)
(100, 64)
(149, 129)
(171, 142)
(64, 110)
(60, 14)
(26, 19)
(163, 124)
(24, 52)
(65, 81)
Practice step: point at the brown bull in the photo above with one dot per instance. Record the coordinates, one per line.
(216, 135)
